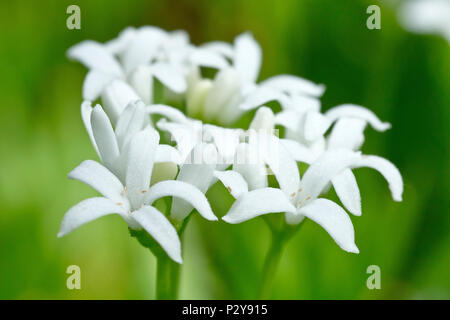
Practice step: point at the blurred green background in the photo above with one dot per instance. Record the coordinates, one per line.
(402, 77)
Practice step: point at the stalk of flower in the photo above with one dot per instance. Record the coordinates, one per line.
(124, 180)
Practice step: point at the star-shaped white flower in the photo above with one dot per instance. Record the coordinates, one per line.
(131, 196)
(299, 198)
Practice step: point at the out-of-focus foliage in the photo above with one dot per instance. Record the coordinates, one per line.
(402, 77)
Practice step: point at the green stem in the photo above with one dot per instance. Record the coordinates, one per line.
(271, 264)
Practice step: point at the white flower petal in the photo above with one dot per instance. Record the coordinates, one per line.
(100, 178)
(388, 171)
(166, 153)
(94, 84)
(118, 45)
(264, 119)
(225, 85)
(251, 166)
(298, 151)
(226, 140)
(139, 165)
(233, 181)
(86, 110)
(159, 227)
(260, 96)
(315, 125)
(247, 57)
(142, 82)
(279, 161)
(256, 203)
(334, 220)
(221, 47)
(197, 171)
(87, 211)
(354, 111)
(294, 218)
(143, 47)
(116, 96)
(186, 136)
(325, 168)
(94, 56)
(105, 138)
(184, 191)
(132, 120)
(294, 85)
(290, 119)
(170, 77)
(347, 133)
(347, 190)
(168, 112)
(207, 58)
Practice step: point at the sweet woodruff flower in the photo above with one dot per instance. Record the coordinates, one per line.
(136, 169)
(125, 178)
(299, 198)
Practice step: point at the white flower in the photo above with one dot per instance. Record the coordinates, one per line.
(131, 196)
(299, 198)
(426, 16)
(134, 59)
(350, 122)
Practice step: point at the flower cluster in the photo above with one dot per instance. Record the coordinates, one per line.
(166, 127)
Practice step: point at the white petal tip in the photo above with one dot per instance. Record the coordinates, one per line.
(384, 126)
(353, 249)
(228, 219)
(178, 260)
(61, 234)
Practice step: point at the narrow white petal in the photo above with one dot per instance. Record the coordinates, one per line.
(247, 57)
(170, 77)
(334, 220)
(251, 166)
(294, 218)
(184, 191)
(132, 120)
(208, 58)
(100, 178)
(294, 85)
(347, 133)
(233, 181)
(325, 168)
(260, 96)
(226, 140)
(118, 45)
(256, 203)
(279, 161)
(347, 190)
(168, 112)
(186, 136)
(197, 171)
(87, 211)
(105, 138)
(223, 48)
(139, 165)
(142, 82)
(159, 227)
(116, 96)
(225, 85)
(86, 110)
(143, 47)
(166, 153)
(315, 125)
(94, 56)
(264, 119)
(95, 82)
(290, 119)
(298, 151)
(387, 170)
(354, 111)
